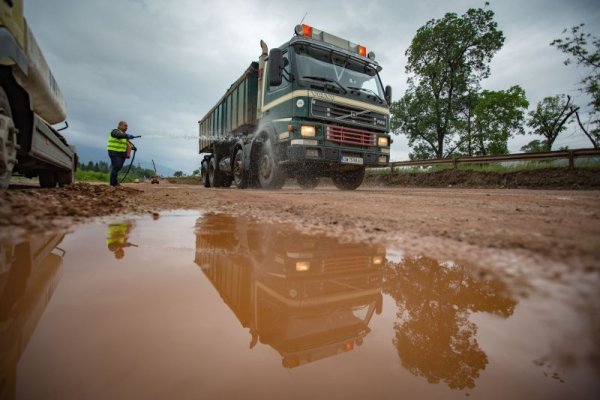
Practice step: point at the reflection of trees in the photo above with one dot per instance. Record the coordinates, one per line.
(434, 336)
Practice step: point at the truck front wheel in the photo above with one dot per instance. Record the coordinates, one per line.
(348, 180)
(270, 174)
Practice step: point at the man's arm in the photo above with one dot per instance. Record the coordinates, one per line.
(117, 134)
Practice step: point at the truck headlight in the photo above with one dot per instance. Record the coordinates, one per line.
(308, 131)
(302, 266)
(383, 141)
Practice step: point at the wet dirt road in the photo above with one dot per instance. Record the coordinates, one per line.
(378, 293)
(542, 226)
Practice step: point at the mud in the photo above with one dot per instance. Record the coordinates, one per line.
(38, 210)
(541, 226)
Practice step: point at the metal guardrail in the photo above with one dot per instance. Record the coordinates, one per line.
(547, 155)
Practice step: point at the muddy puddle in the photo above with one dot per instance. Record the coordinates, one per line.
(187, 305)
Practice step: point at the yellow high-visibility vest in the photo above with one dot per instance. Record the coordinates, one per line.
(115, 144)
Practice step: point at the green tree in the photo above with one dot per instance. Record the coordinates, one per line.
(585, 52)
(535, 146)
(196, 172)
(178, 173)
(446, 58)
(491, 118)
(550, 117)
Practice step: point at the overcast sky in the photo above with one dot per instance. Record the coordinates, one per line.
(161, 65)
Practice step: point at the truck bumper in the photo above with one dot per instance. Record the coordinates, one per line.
(305, 152)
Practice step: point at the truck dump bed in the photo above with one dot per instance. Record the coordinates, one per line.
(235, 113)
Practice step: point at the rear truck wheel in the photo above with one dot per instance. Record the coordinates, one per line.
(204, 173)
(214, 174)
(270, 174)
(241, 177)
(47, 179)
(8, 141)
(348, 180)
(65, 178)
(307, 181)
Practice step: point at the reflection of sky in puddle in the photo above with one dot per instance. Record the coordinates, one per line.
(185, 305)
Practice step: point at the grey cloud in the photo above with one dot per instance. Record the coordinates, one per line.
(162, 65)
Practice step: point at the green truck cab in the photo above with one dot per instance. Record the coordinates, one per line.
(308, 297)
(313, 107)
(30, 103)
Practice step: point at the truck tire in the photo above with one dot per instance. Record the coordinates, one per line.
(65, 178)
(204, 174)
(307, 182)
(240, 177)
(226, 181)
(348, 180)
(8, 141)
(270, 174)
(214, 174)
(47, 179)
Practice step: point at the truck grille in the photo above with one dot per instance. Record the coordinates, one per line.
(346, 263)
(342, 134)
(347, 113)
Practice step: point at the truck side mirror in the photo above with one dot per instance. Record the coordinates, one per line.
(275, 67)
(388, 94)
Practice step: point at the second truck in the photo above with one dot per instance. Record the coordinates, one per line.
(312, 107)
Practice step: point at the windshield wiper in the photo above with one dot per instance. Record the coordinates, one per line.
(366, 90)
(328, 80)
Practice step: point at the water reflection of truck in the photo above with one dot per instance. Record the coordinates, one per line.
(29, 273)
(30, 103)
(307, 297)
(313, 107)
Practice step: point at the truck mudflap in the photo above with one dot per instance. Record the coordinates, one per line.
(47, 146)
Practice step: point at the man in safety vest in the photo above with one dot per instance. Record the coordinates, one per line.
(118, 238)
(117, 150)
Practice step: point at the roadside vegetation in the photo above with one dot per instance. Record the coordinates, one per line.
(489, 167)
(100, 172)
(446, 113)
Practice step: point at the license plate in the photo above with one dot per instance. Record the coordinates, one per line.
(352, 160)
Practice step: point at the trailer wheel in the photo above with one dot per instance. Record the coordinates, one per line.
(270, 174)
(226, 181)
(214, 175)
(204, 173)
(241, 177)
(8, 141)
(307, 182)
(47, 179)
(348, 180)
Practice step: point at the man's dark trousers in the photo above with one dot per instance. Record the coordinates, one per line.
(117, 162)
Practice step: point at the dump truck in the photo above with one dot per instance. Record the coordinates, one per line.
(305, 296)
(313, 107)
(30, 104)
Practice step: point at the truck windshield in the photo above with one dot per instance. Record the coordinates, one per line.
(336, 72)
